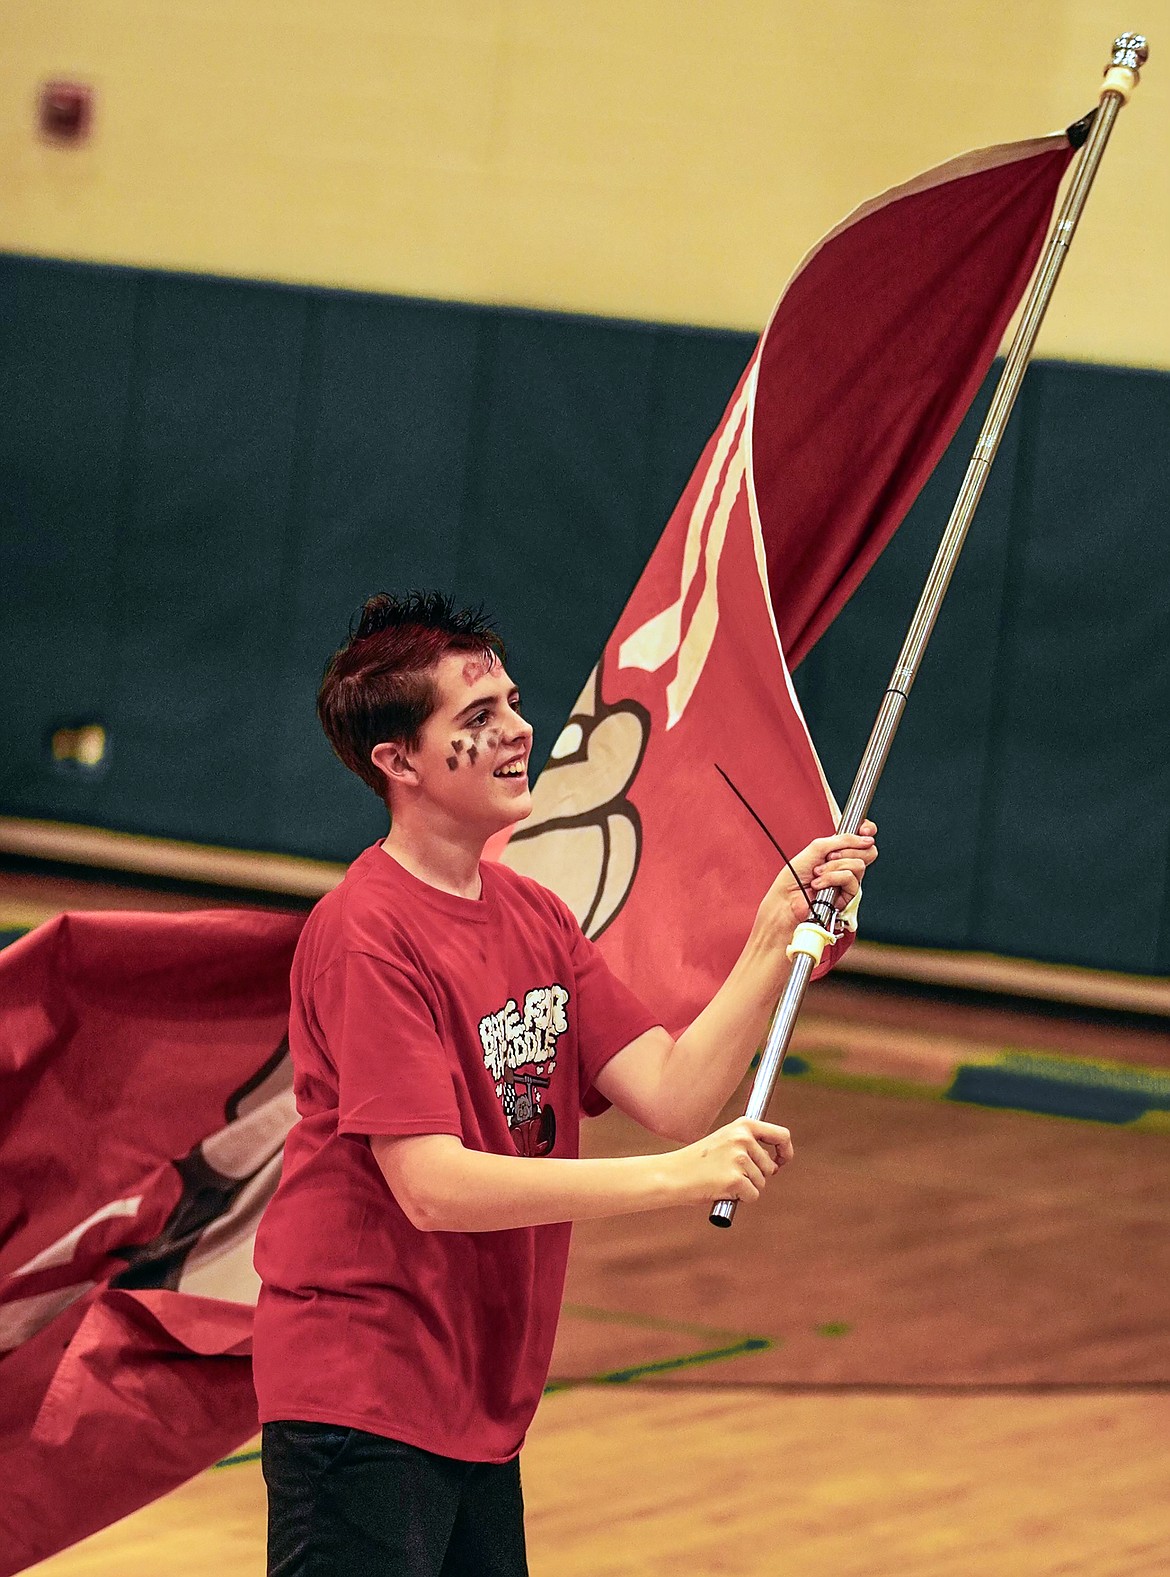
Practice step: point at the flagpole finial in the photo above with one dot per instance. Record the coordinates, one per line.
(1130, 53)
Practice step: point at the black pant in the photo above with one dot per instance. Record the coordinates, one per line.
(344, 1503)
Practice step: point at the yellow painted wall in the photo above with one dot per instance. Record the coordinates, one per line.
(665, 159)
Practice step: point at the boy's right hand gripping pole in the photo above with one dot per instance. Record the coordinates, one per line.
(805, 950)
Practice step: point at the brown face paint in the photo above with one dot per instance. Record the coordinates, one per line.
(471, 755)
(453, 762)
(476, 667)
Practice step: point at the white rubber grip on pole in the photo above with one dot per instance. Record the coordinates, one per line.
(810, 939)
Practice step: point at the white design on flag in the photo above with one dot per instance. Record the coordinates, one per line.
(247, 1149)
(21, 1318)
(700, 636)
(220, 1265)
(569, 741)
(61, 1252)
(656, 641)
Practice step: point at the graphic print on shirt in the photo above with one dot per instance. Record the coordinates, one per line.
(520, 1052)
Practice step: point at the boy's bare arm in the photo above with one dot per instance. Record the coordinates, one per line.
(444, 1187)
(677, 1088)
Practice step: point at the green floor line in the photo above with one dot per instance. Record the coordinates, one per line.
(648, 1322)
(242, 1456)
(665, 1365)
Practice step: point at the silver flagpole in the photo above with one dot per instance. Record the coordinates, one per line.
(820, 930)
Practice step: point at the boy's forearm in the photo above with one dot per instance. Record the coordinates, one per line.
(710, 1057)
(452, 1189)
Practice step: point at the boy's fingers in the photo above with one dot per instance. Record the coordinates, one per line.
(845, 862)
(838, 843)
(846, 874)
(774, 1135)
(763, 1158)
(770, 1133)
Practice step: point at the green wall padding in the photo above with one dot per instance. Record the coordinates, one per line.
(202, 478)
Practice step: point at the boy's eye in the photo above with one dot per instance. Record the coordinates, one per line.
(479, 720)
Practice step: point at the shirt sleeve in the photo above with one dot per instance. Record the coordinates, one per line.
(609, 1017)
(393, 1073)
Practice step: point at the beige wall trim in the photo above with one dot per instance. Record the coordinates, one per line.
(1019, 977)
(303, 878)
(189, 862)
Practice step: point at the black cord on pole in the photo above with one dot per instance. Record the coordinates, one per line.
(810, 896)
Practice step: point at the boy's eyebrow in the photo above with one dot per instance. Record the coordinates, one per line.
(484, 701)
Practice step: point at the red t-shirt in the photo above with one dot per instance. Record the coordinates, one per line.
(413, 1012)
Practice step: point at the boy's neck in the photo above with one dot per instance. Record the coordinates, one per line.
(448, 861)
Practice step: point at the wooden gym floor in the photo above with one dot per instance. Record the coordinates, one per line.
(937, 1347)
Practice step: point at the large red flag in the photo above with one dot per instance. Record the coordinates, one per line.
(144, 1082)
(860, 380)
(145, 1095)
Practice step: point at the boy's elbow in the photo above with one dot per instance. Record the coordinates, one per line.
(422, 1214)
(428, 1212)
(415, 1171)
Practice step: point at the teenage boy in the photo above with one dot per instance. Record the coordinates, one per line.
(449, 1025)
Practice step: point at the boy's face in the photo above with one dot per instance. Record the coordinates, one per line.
(471, 764)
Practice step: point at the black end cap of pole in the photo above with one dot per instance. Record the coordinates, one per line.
(718, 1221)
(1078, 132)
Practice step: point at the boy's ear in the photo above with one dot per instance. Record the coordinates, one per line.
(392, 759)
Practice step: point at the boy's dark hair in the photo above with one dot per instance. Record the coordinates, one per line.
(379, 687)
